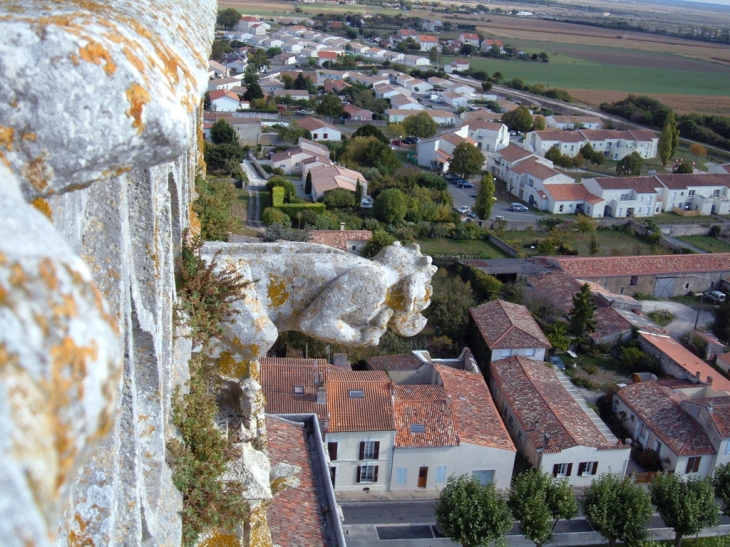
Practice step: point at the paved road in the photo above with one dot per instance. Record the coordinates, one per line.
(463, 196)
(684, 316)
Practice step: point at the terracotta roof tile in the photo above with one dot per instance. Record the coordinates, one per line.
(537, 169)
(506, 325)
(575, 120)
(295, 514)
(476, 418)
(423, 405)
(608, 266)
(560, 136)
(371, 412)
(543, 406)
(310, 124)
(677, 182)
(570, 192)
(609, 322)
(403, 361)
(280, 376)
(641, 185)
(659, 408)
(339, 238)
(513, 153)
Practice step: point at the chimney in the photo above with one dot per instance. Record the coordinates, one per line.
(448, 400)
(321, 396)
(546, 444)
(340, 360)
(342, 226)
(697, 375)
(709, 380)
(710, 407)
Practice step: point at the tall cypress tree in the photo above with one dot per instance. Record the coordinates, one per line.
(308, 183)
(581, 316)
(668, 140)
(358, 193)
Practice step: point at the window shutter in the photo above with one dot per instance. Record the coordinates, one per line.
(581, 468)
(375, 475)
(377, 450)
(332, 447)
(556, 468)
(570, 468)
(357, 476)
(362, 451)
(595, 468)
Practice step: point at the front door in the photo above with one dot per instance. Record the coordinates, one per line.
(422, 477)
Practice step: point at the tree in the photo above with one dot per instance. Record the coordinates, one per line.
(471, 513)
(630, 166)
(394, 130)
(483, 204)
(222, 132)
(684, 168)
(686, 504)
(228, 18)
(593, 247)
(556, 335)
(421, 125)
(329, 105)
(697, 150)
(450, 307)
(519, 119)
(538, 501)
(308, 184)
(539, 124)
(301, 83)
(339, 198)
(487, 86)
(668, 140)
(379, 239)
(466, 160)
(391, 205)
(721, 483)
(369, 130)
(371, 152)
(584, 223)
(253, 90)
(581, 316)
(358, 193)
(617, 509)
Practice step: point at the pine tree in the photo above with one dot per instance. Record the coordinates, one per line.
(581, 316)
(308, 183)
(668, 140)
(593, 247)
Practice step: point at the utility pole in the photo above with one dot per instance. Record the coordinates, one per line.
(702, 298)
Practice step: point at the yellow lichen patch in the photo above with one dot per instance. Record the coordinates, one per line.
(37, 172)
(75, 59)
(258, 527)
(43, 206)
(6, 137)
(277, 290)
(4, 301)
(193, 222)
(66, 308)
(28, 136)
(231, 367)
(395, 299)
(94, 52)
(48, 273)
(280, 484)
(222, 539)
(138, 97)
(17, 276)
(133, 59)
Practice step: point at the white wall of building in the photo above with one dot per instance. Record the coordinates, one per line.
(348, 459)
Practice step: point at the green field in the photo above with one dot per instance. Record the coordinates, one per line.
(459, 247)
(571, 72)
(609, 242)
(707, 243)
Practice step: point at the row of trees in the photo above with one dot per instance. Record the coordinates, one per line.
(474, 514)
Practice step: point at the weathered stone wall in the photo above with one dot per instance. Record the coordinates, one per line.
(99, 131)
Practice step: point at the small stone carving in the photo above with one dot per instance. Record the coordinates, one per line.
(323, 292)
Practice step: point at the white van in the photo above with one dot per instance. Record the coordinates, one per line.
(716, 296)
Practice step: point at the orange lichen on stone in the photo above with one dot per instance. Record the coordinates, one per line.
(138, 97)
(37, 172)
(193, 222)
(277, 290)
(28, 136)
(133, 59)
(47, 273)
(94, 52)
(17, 276)
(43, 206)
(6, 137)
(231, 367)
(3, 296)
(222, 539)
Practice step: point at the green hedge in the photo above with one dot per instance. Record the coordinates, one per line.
(277, 196)
(291, 209)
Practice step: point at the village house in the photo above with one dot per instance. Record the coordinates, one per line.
(614, 145)
(351, 241)
(574, 122)
(368, 80)
(247, 129)
(706, 193)
(291, 161)
(455, 100)
(435, 153)
(331, 177)
(222, 100)
(457, 65)
(427, 43)
(319, 129)
(216, 70)
(469, 38)
(358, 114)
(490, 136)
(443, 118)
(402, 102)
(416, 60)
(386, 91)
(553, 429)
(224, 84)
(488, 43)
(500, 329)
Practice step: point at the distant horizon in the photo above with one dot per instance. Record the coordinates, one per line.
(722, 2)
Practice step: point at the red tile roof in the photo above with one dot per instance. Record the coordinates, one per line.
(506, 325)
(687, 360)
(570, 192)
(373, 412)
(219, 93)
(403, 361)
(338, 238)
(544, 407)
(719, 411)
(424, 405)
(310, 124)
(608, 266)
(470, 36)
(658, 407)
(678, 182)
(641, 185)
(560, 136)
(278, 378)
(476, 418)
(295, 515)
(485, 124)
(537, 169)
(513, 153)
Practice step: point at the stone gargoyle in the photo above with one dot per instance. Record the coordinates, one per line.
(323, 292)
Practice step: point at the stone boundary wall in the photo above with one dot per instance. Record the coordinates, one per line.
(504, 246)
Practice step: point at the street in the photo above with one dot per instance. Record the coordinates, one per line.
(463, 196)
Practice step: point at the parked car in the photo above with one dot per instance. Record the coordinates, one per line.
(396, 143)
(451, 177)
(475, 194)
(518, 208)
(411, 140)
(466, 184)
(471, 215)
(498, 217)
(715, 296)
(464, 209)
(459, 181)
(557, 362)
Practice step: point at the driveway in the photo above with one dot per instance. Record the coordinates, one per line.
(684, 316)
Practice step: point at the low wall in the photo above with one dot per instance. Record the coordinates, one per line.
(678, 230)
(494, 240)
(256, 165)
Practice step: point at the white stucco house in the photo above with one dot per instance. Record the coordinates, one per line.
(435, 153)
(614, 145)
(292, 160)
(222, 100)
(319, 129)
(572, 122)
(555, 431)
(490, 136)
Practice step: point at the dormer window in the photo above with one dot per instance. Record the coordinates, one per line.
(298, 390)
(357, 394)
(418, 428)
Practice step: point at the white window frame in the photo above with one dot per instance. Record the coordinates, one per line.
(562, 469)
(369, 450)
(367, 473)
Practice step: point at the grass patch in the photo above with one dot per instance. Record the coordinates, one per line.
(661, 317)
(610, 242)
(674, 218)
(687, 299)
(264, 200)
(475, 247)
(707, 243)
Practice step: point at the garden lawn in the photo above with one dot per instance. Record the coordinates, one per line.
(469, 247)
(610, 242)
(707, 243)
(674, 218)
(240, 211)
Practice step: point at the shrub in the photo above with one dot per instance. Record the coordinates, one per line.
(275, 216)
(339, 198)
(213, 207)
